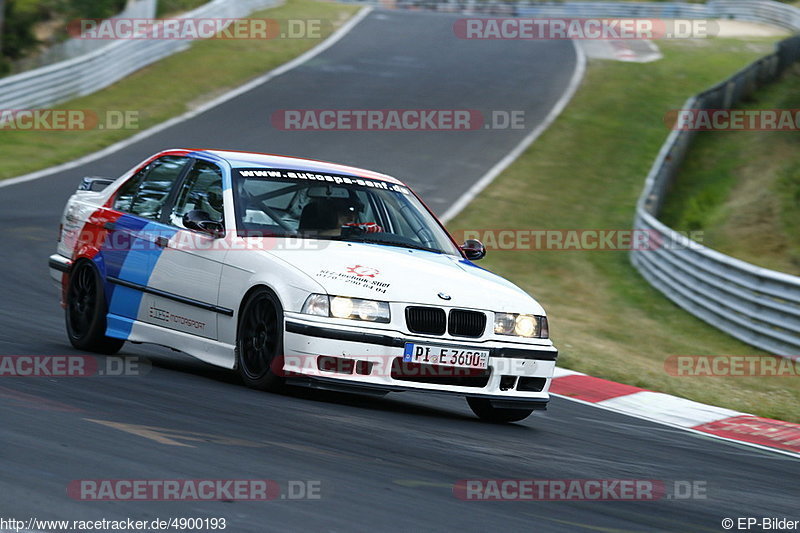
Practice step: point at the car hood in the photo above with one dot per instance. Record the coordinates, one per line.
(395, 274)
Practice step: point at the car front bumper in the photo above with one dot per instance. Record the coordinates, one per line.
(331, 356)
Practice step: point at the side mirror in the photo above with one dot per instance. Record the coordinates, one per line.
(199, 220)
(473, 249)
(94, 183)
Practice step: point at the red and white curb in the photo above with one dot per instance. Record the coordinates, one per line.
(693, 416)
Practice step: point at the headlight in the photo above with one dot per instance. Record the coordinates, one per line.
(317, 304)
(341, 307)
(350, 308)
(530, 326)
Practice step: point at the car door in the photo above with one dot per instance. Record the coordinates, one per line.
(130, 251)
(184, 284)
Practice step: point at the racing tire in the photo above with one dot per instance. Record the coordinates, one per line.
(496, 415)
(85, 312)
(259, 342)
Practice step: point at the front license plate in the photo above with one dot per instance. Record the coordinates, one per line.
(430, 354)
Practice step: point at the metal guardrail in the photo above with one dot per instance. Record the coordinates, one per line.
(76, 47)
(766, 11)
(96, 70)
(758, 306)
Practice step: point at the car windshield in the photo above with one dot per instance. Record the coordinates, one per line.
(291, 203)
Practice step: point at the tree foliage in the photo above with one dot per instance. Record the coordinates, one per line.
(20, 17)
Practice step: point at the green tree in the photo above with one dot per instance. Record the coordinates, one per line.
(17, 29)
(2, 17)
(94, 9)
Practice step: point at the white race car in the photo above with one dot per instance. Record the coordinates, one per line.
(297, 271)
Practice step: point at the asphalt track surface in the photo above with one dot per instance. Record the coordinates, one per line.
(384, 464)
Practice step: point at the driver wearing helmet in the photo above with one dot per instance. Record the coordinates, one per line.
(331, 216)
(212, 201)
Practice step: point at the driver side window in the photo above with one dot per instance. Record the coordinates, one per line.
(146, 193)
(202, 189)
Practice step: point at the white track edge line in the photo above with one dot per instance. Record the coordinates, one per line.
(457, 207)
(794, 455)
(294, 63)
(500, 166)
(504, 163)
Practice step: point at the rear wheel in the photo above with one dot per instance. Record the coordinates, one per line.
(497, 415)
(259, 343)
(86, 312)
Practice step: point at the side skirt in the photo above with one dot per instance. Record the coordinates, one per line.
(207, 350)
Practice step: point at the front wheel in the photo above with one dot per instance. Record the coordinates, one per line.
(260, 341)
(86, 312)
(496, 415)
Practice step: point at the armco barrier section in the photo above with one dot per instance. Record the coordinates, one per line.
(756, 305)
(766, 11)
(96, 70)
(76, 47)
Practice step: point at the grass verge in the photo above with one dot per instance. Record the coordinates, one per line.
(168, 88)
(742, 189)
(606, 320)
(586, 172)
